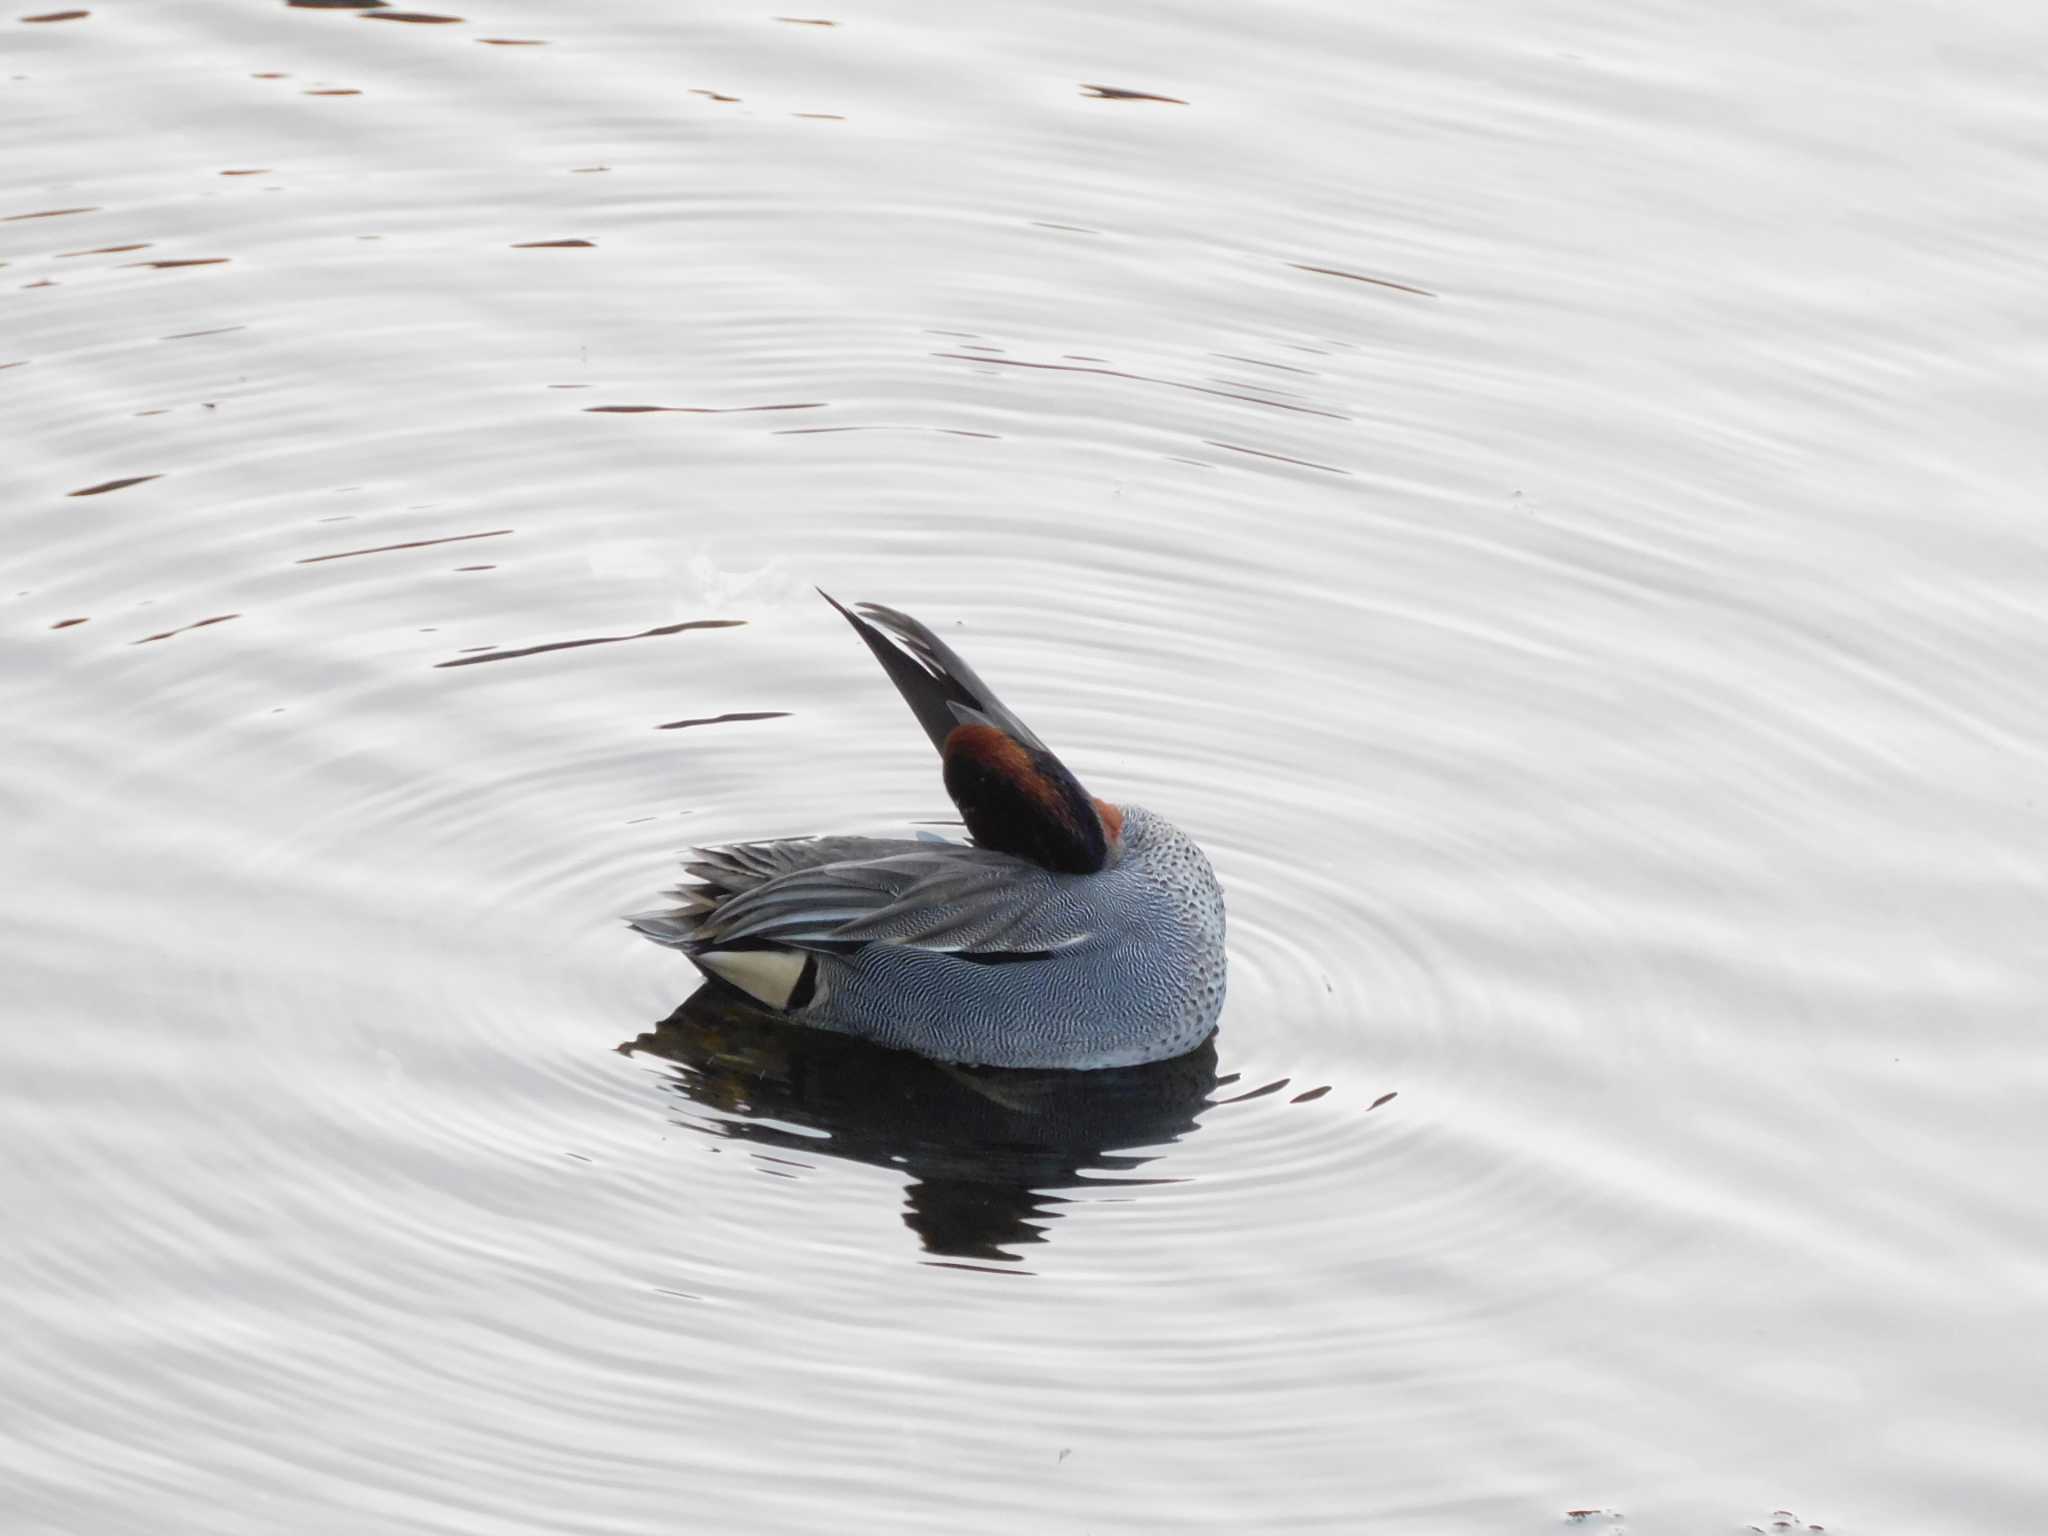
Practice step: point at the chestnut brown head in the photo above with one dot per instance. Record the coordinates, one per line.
(1020, 799)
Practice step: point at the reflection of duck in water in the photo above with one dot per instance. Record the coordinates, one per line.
(1072, 933)
(984, 1147)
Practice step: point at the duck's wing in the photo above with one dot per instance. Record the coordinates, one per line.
(721, 873)
(959, 900)
(735, 867)
(768, 938)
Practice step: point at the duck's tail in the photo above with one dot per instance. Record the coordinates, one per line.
(940, 688)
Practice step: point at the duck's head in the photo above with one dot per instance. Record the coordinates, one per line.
(1020, 799)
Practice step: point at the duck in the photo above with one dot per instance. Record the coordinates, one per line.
(1068, 933)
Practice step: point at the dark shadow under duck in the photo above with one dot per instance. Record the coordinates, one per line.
(987, 1150)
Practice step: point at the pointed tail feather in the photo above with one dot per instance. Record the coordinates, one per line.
(940, 688)
(674, 928)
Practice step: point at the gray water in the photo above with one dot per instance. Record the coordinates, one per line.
(1550, 494)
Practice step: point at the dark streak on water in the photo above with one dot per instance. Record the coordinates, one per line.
(1360, 277)
(1217, 378)
(494, 654)
(1259, 1092)
(1260, 453)
(731, 715)
(828, 431)
(1231, 357)
(381, 549)
(114, 485)
(552, 245)
(1117, 373)
(697, 410)
(1118, 93)
(218, 618)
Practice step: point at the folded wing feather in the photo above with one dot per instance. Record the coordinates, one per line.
(938, 896)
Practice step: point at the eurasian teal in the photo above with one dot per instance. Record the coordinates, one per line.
(1070, 933)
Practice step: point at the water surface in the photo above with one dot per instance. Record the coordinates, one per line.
(1549, 494)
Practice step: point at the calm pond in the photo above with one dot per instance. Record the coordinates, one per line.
(1549, 494)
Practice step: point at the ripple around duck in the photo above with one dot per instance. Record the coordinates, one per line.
(1283, 989)
(430, 1052)
(1296, 989)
